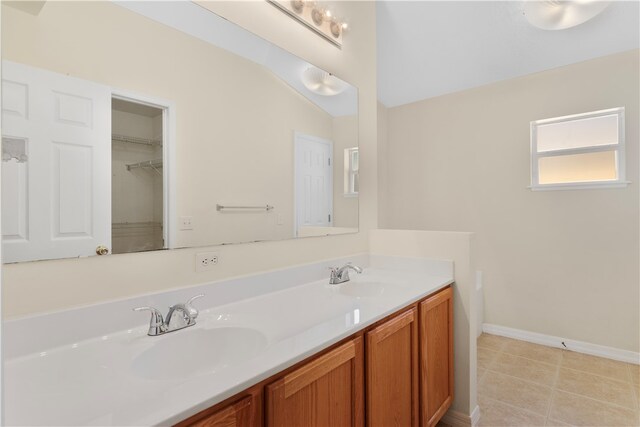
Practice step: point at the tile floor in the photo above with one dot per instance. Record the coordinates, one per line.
(524, 384)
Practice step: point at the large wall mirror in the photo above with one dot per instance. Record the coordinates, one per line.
(136, 126)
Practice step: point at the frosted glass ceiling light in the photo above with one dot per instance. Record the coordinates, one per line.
(321, 82)
(559, 15)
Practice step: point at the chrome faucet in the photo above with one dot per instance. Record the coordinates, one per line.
(341, 275)
(159, 326)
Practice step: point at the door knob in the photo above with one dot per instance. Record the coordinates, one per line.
(102, 250)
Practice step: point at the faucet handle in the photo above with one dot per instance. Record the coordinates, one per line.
(156, 324)
(156, 316)
(334, 272)
(194, 298)
(193, 312)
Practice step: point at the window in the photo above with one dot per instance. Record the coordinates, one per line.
(351, 161)
(579, 151)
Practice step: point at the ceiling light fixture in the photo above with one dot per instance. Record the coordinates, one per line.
(318, 18)
(559, 14)
(322, 82)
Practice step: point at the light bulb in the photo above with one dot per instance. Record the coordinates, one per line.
(297, 5)
(335, 28)
(317, 16)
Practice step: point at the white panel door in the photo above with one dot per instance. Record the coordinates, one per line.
(57, 204)
(313, 181)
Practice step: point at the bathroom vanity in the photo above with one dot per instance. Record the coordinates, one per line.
(408, 379)
(279, 348)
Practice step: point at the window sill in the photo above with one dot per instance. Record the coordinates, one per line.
(579, 186)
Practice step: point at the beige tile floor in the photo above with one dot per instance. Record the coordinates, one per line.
(524, 384)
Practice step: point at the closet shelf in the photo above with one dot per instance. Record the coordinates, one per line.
(148, 164)
(136, 140)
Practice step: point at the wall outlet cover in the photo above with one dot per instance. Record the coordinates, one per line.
(206, 260)
(186, 223)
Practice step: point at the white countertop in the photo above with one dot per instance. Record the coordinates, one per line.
(105, 381)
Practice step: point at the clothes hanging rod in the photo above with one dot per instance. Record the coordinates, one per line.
(152, 164)
(266, 208)
(136, 140)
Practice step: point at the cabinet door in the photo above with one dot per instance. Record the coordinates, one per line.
(247, 412)
(327, 391)
(392, 372)
(436, 356)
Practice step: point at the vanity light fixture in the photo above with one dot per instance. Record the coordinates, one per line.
(559, 14)
(322, 82)
(315, 16)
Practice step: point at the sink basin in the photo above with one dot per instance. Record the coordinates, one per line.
(362, 289)
(188, 353)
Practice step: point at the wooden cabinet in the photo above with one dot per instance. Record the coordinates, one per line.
(328, 391)
(246, 412)
(392, 372)
(436, 356)
(409, 378)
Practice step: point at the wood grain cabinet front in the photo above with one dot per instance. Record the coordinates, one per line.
(392, 372)
(328, 391)
(409, 378)
(436, 356)
(246, 412)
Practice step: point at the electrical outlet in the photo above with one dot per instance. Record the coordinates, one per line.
(186, 223)
(206, 260)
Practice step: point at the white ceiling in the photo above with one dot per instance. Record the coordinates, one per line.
(430, 48)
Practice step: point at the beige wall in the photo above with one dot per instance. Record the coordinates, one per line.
(345, 134)
(383, 170)
(563, 263)
(66, 283)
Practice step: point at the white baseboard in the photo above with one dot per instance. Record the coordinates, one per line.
(475, 416)
(551, 341)
(458, 419)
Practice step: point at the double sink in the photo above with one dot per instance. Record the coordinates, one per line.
(216, 345)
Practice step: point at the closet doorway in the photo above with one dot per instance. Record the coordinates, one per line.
(138, 218)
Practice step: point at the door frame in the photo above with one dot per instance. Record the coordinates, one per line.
(169, 218)
(296, 136)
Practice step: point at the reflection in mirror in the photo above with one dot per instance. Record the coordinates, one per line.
(165, 126)
(136, 177)
(351, 165)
